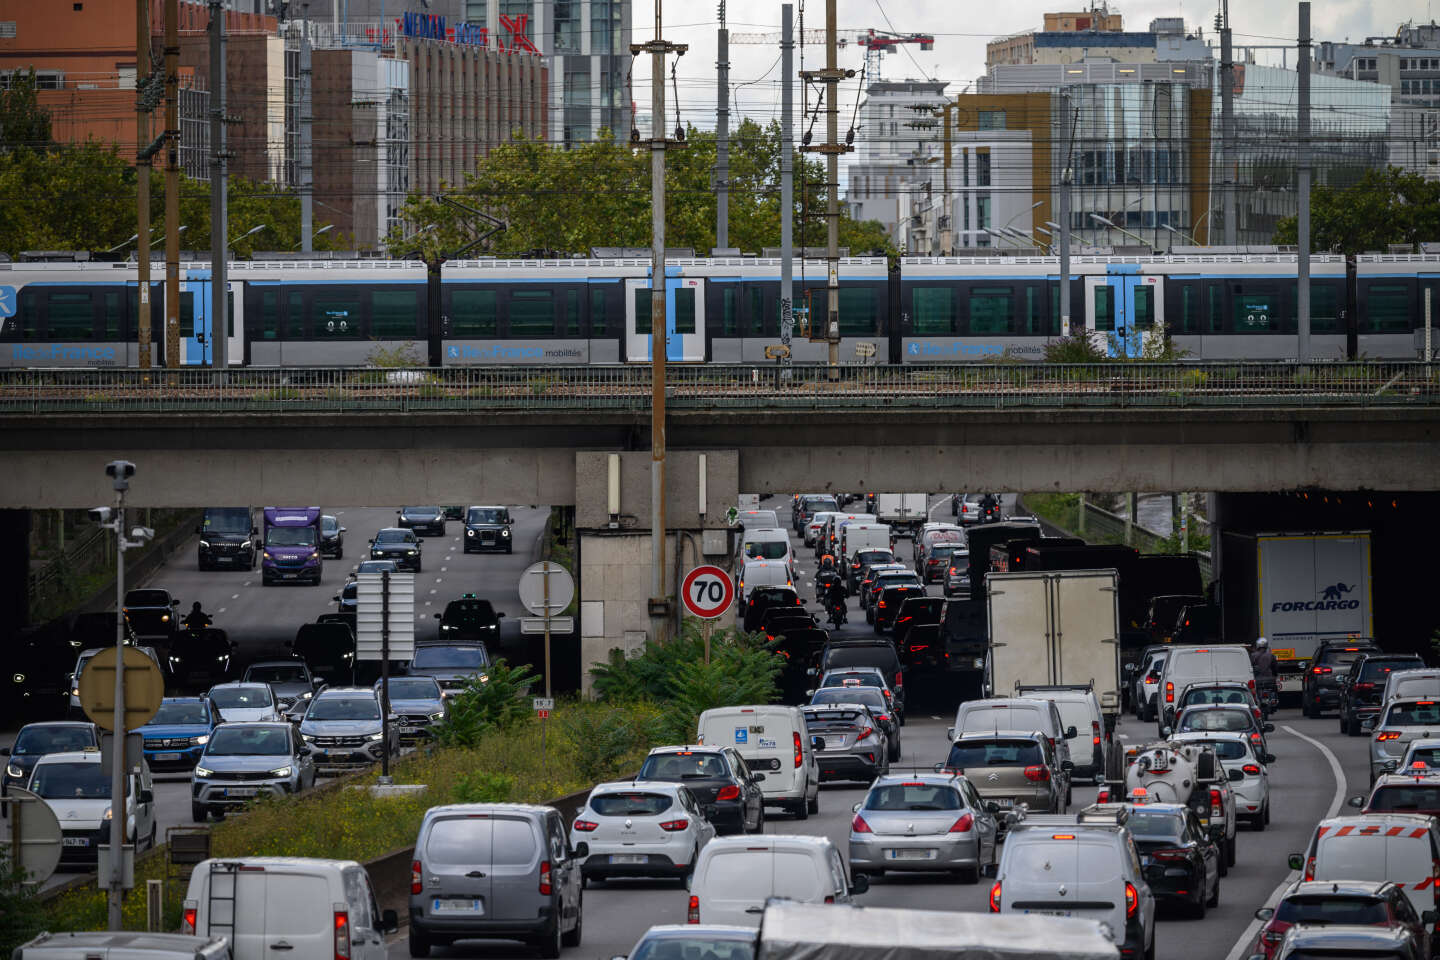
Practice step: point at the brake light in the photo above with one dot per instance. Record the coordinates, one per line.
(995, 898)
(1435, 878)
(728, 792)
(342, 933)
(859, 825)
(1216, 806)
(1252, 683)
(187, 923)
(545, 887)
(799, 750)
(692, 915)
(584, 826)
(864, 732)
(1384, 735)
(1309, 868)
(1169, 691)
(1095, 732)
(1323, 670)
(416, 885)
(1039, 774)
(1366, 685)
(882, 604)
(963, 825)
(670, 826)
(1103, 796)
(1252, 769)
(899, 679)
(1171, 854)
(1132, 900)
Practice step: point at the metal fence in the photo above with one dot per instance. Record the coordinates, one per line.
(729, 386)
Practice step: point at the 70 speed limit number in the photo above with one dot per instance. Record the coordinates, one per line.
(707, 592)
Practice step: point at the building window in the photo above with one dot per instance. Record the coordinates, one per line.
(990, 120)
(982, 168)
(982, 212)
(577, 87)
(475, 11)
(567, 26)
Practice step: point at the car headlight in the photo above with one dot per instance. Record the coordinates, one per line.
(314, 554)
(174, 658)
(306, 695)
(281, 772)
(164, 618)
(447, 626)
(266, 554)
(437, 717)
(375, 736)
(412, 552)
(221, 659)
(74, 691)
(107, 816)
(205, 544)
(505, 532)
(200, 741)
(245, 545)
(307, 738)
(484, 678)
(13, 771)
(469, 532)
(18, 677)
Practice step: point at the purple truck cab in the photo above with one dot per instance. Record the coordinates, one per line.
(292, 546)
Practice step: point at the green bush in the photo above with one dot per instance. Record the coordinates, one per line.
(495, 700)
(1075, 349)
(482, 787)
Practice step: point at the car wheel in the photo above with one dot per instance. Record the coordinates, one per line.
(419, 943)
(1224, 861)
(760, 820)
(1214, 900)
(549, 943)
(801, 810)
(153, 828)
(814, 805)
(198, 813)
(572, 939)
(1267, 813)
(1230, 852)
(1344, 727)
(1150, 950)
(1257, 822)
(510, 549)
(969, 874)
(340, 554)
(1197, 909)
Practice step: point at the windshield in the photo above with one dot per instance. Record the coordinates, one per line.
(630, 804)
(344, 708)
(470, 611)
(468, 657)
(1342, 656)
(913, 796)
(376, 566)
(184, 712)
(941, 552)
(1226, 749)
(874, 556)
(487, 515)
(994, 753)
(414, 688)
(73, 781)
(1416, 713)
(883, 657)
(233, 697)
(684, 765)
(329, 524)
(227, 520)
(34, 740)
(1216, 720)
(1168, 826)
(290, 536)
(851, 680)
(767, 549)
(1430, 756)
(1406, 797)
(395, 535)
(147, 598)
(1332, 909)
(420, 512)
(694, 948)
(1378, 669)
(232, 741)
(1215, 695)
(870, 696)
(278, 673)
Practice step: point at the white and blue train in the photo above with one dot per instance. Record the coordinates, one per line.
(719, 310)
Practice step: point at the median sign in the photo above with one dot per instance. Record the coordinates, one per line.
(707, 592)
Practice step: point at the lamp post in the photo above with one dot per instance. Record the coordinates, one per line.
(1101, 220)
(998, 235)
(248, 233)
(1034, 206)
(325, 229)
(177, 233)
(1180, 233)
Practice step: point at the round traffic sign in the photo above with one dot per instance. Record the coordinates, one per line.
(533, 588)
(707, 592)
(144, 688)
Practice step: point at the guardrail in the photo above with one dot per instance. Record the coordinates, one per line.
(732, 386)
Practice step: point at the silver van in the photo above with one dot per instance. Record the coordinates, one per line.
(1019, 713)
(126, 945)
(495, 871)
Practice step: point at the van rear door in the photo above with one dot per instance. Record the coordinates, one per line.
(735, 887)
(514, 867)
(456, 866)
(769, 748)
(300, 915)
(1411, 862)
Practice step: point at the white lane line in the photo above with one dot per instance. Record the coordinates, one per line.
(439, 580)
(444, 569)
(234, 596)
(432, 590)
(1242, 946)
(941, 502)
(221, 610)
(427, 603)
(247, 583)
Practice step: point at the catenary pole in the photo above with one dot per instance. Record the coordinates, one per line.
(1227, 124)
(219, 184)
(1066, 118)
(307, 161)
(142, 172)
(1302, 171)
(722, 133)
(172, 183)
(787, 178)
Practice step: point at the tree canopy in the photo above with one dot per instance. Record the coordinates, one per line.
(598, 195)
(1383, 207)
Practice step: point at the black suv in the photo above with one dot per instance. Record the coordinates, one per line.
(151, 613)
(915, 610)
(469, 620)
(332, 537)
(425, 521)
(762, 599)
(880, 654)
(488, 528)
(400, 545)
(1360, 690)
(227, 538)
(1321, 681)
(887, 603)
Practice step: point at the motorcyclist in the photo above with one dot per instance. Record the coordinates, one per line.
(835, 595)
(827, 564)
(197, 619)
(824, 580)
(1263, 662)
(988, 504)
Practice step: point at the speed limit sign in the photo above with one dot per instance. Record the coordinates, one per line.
(707, 592)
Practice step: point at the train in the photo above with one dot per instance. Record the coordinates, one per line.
(914, 310)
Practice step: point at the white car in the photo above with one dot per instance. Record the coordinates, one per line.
(645, 829)
(238, 702)
(1237, 754)
(77, 789)
(1422, 750)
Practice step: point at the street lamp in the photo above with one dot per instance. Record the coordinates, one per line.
(162, 239)
(325, 229)
(1101, 220)
(1180, 233)
(121, 246)
(248, 233)
(1027, 237)
(998, 235)
(1034, 206)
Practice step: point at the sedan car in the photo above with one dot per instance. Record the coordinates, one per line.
(849, 742)
(719, 779)
(957, 575)
(1247, 767)
(35, 740)
(427, 521)
(290, 679)
(863, 559)
(417, 703)
(874, 698)
(1401, 721)
(176, 736)
(402, 546)
(687, 940)
(929, 822)
(1360, 902)
(641, 829)
(332, 537)
(343, 727)
(1180, 860)
(1215, 718)
(238, 702)
(452, 665)
(489, 528)
(245, 760)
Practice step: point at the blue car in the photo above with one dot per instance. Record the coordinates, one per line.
(176, 736)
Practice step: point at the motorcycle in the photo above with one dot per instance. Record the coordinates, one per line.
(836, 612)
(1268, 693)
(990, 514)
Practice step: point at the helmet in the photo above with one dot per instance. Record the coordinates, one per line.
(1261, 643)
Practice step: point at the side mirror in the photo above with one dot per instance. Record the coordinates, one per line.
(856, 807)
(1267, 758)
(757, 777)
(1071, 733)
(418, 542)
(949, 733)
(1264, 914)
(582, 850)
(1164, 733)
(1067, 765)
(174, 603)
(1267, 728)
(1127, 669)
(306, 750)
(499, 615)
(509, 521)
(1369, 722)
(336, 598)
(1236, 775)
(1430, 917)
(372, 541)
(817, 742)
(991, 807)
(437, 616)
(389, 921)
(146, 796)
(1296, 861)
(939, 767)
(809, 693)
(342, 530)
(860, 884)
(1357, 801)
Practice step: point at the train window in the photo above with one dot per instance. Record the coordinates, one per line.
(755, 316)
(295, 315)
(1255, 308)
(1324, 307)
(642, 311)
(572, 314)
(1143, 315)
(187, 314)
(70, 315)
(394, 314)
(26, 321)
(991, 309)
(114, 317)
(1036, 323)
(1189, 308)
(473, 313)
(684, 309)
(857, 311)
(729, 318)
(598, 320)
(1387, 308)
(335, 316)
(532, 313)
(1104, 298)
(1216, 293)
(932, 310)
(269, 314)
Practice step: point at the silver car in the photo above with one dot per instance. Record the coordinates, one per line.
(245, 760)
(929, 822)
(849, 742)
(1401, 721)
(343, 728)
(1247, 767)
(418, 703)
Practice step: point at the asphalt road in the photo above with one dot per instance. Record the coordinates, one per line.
(1304, 790)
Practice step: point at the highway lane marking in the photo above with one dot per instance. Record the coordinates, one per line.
(931, 512)
(234, 596)
(439, 579)
(432, 590)
(1242, 946)
(443, 569)
(221, 610)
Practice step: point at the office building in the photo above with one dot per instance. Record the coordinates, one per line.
(897, 140)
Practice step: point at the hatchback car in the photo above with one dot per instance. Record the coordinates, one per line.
(718, 777)
(1180, 859)
(176, 736)
(35, 740)
(469, 619)
(244, 701)
(849, 742)
(425, 521)
(880, 708)
(1247, 768)
(344, 730)
(290, 679)
(76, 787)
(1401, 722)
(453, 665)
(934, 559)
(1321, 682)
(1011, 768)
(332, 537)
(151, 613)
(243, 761)
(956, 583)
(489, 528)
(418, 704)
(923, 822)
(641, 829)
(1367, 903)
(1216, 718)
(684, 941)
(402, 546)
(1362, 685)
(1306, 941)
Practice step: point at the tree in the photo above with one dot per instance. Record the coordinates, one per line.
(1382, 207)
(24, 124)
(598, 195)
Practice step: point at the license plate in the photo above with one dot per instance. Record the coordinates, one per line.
(166, 757)
(1004, 802)
(910, 854)
(241, 791)
(629, 858)
(289, 576)
(1051, 913)
(77, 841)
(457, 906)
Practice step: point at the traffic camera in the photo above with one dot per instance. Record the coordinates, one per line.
(120, 472)
(100, 515)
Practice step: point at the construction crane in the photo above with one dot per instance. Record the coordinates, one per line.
(771, 39)
(877, 43)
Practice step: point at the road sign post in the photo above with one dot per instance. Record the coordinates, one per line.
(35, 837)
(546, 588)
(707, 593)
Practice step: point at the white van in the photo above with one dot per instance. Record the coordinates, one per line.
(1079, 711)
(734, 876)
(828, 540)
(767, 543)
(762, 573)
(773, 740)
(1399, 847)
(311, 909)
(1187, 665)
(1424, 682)
(856, 536)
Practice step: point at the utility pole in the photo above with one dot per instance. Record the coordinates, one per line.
(722, 133)
(307, 114)
(832, 148)
(657, 48)
(1227, 123)
(1065, 175)
(1302, 170)
(142, 170)
(172, 183)
(219, 185)
(787, 179)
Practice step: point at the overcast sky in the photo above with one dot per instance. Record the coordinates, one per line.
(961, 29)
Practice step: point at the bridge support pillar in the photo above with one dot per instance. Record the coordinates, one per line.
(612, 521)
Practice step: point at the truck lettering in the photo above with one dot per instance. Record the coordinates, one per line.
(1288, 606)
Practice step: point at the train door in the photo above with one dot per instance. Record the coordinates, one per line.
(1123, 309)
(198, 325)
(684, 319)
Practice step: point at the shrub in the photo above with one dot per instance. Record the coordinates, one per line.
(482, 787)
(405, 355)
(1074, 349)
(494, 700)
